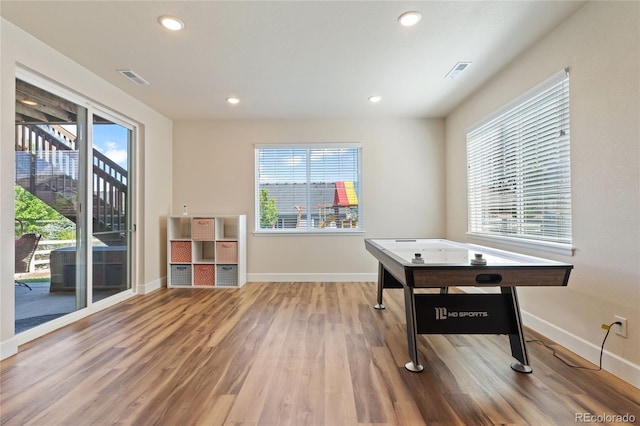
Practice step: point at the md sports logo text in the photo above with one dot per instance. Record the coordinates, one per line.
(443, 314)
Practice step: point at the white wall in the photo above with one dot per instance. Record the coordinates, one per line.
(154, 149)
(402, 189)
(600, 44)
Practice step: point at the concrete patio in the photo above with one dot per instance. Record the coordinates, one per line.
(39, 305)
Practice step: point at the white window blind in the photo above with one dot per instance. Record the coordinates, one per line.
(308, 188)
(519, 175)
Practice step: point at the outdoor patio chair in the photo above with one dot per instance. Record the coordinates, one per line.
(25, 249)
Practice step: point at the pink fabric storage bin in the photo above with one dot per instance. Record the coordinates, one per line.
(227, 252)
(204, 275)
(181, 251)
(202, 229)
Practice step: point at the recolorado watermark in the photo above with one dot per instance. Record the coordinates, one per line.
(604, 418)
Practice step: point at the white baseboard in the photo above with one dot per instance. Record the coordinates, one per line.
(612, 363)
(302, 277)
(8, 348)
(152, 286)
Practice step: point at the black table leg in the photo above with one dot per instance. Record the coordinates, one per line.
(412, 331)
(516, 340)
(380, 305)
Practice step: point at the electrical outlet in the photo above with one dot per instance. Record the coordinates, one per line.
(621, 330)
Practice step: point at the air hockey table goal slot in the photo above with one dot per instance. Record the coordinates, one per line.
(488, 279)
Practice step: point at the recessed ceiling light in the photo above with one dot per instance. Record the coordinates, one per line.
(171, 23)
(29, 102)
(409, 19)
(233, 100)
(375, 99)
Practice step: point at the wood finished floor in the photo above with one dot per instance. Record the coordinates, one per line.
(287, 354)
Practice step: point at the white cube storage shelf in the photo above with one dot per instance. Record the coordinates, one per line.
(206, 251)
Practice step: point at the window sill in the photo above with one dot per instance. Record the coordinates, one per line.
(345, 232)
(556, 248)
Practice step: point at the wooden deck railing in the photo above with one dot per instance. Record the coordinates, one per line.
(52, 175)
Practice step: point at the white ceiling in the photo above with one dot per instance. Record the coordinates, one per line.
(292, 59)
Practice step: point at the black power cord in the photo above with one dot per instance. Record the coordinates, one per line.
(555, 353)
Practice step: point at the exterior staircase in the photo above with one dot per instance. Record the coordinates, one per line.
(47, 165)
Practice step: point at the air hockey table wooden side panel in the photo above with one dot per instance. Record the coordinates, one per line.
(448, 264)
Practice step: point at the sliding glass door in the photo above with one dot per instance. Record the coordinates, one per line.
(111, 212)
(73, 198)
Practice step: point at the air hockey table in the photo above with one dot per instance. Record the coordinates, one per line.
(437, 263)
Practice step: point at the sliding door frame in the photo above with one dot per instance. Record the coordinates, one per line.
(84, 228)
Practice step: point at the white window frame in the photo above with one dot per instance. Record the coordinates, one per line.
(508, 150)
(309, 228)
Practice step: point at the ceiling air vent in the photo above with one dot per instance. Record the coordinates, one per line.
(457, 70)
(133, 76)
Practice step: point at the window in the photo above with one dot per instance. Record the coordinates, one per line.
(308, 188)
(519, 180)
